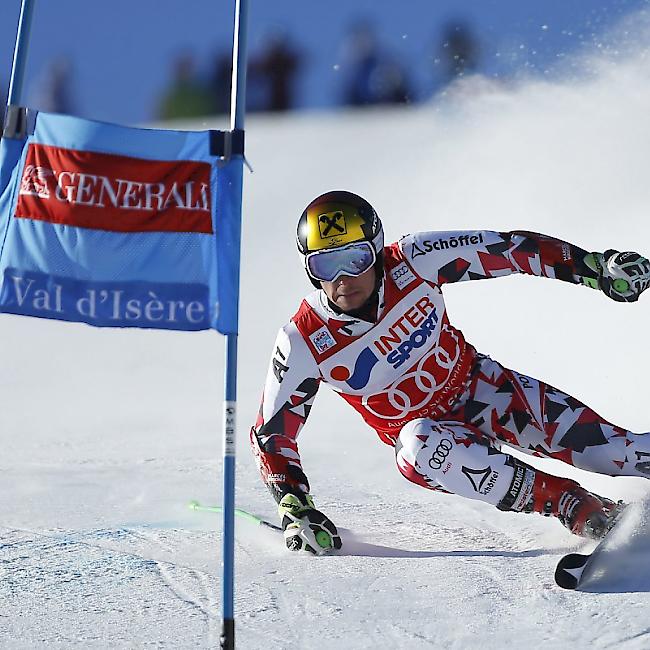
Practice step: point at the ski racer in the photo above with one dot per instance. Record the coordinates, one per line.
(375, 329)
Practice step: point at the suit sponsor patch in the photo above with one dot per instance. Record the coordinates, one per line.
(322, 339)
(402, 275)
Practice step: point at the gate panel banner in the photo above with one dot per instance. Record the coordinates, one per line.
(120, 227)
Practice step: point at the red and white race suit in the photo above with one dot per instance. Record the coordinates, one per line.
(426, 391)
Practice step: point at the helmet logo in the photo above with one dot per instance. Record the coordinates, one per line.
(330, 225)
(331, 221)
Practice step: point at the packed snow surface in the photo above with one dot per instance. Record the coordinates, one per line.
(106, 434)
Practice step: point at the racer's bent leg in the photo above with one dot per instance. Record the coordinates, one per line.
(544, 421)
(455, 457)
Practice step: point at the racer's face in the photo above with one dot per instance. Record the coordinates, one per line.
(349, 292)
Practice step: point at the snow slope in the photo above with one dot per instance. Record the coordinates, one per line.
(106, 435)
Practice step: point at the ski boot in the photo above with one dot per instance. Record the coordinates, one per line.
(582, 512)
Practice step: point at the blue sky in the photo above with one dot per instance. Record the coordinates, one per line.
(122, 50)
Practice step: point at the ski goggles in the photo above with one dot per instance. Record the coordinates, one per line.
(328, 265)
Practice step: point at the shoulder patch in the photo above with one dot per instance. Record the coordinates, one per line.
(322, 339)
(402, 275)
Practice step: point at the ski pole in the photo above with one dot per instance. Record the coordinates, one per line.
(195, 505)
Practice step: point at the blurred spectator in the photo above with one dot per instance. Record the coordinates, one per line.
(186, 97)
(373, 76)
(459, 52)
(272, 75)
(220, 83)
(53, 93)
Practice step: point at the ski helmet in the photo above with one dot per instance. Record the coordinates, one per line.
(339, 233)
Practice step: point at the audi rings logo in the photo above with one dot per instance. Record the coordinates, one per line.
(440, 454)
(415, 389)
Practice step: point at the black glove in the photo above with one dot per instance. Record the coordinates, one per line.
(621, 276)
(306, 528)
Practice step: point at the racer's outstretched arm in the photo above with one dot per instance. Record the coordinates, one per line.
(474, 255)
(291, 385)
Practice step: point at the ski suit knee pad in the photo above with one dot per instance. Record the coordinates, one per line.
(452, 456)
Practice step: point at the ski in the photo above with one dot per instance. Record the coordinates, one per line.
(571, 568)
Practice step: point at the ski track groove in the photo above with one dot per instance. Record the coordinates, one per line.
(198, 598)
(178, 589)
(201, 601)
(66, 539)
(277, 606)
(401, 633)
(619, 643)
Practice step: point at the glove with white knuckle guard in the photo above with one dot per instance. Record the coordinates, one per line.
(621, 276)
(306, 528)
